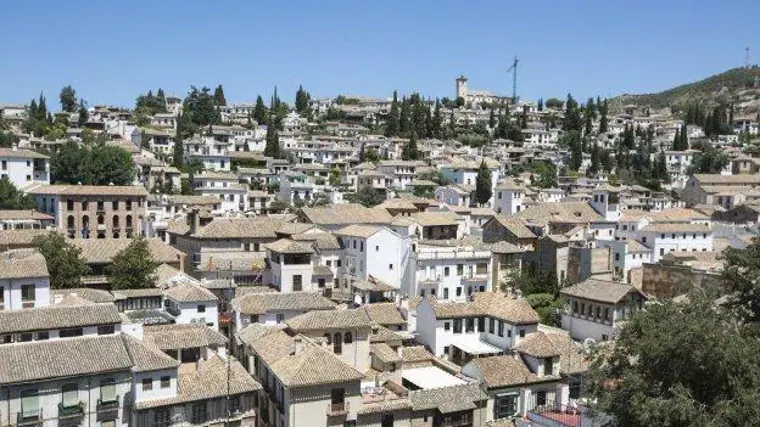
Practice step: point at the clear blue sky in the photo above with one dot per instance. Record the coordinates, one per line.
(111, 51)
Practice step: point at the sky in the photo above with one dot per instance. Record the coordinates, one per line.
(111, 51)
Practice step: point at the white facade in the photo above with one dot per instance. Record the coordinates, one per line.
(384, 255)
(450, 273)
(24, 167)
(678, 238)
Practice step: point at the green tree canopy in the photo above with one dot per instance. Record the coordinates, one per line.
(11, 198)
(679, 365)
(219, 97)
(133, 267)
(260, 112)
(68, 98)
(483, 189)
(272, 147)
(97, 165)
(554, 103)
(63, 260)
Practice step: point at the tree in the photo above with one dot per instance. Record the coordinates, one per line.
(741, 272)
(483, 189)
(272, 148)
(63, 260)
(11, 198)
(392, 124)
(133, 267)
(302, 100)
(8, 139)
(572, 139)
(492, 119)
(710, 161)
(335, 176)
(554, 103)
(219, 98)
(97, 165)
(603, 121)
(689, 364)
(540, 106)
(366, 196)
(436, 127)
(201, 107)
(84, 115)
(178, 153)
(68, 98)
(260, 113)
(572, 115)
(409, 152)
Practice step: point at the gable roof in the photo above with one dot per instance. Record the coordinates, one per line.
(514, 225)
(346, 214)
(22, 264)
(498, 306)
(538, 345)
(333, 319)
(599, 290)
(262, 303)
(102, 251)
(313, 366)
(566, 212)
(504, 371)
(448, 399)
(180, 336)
(58, 317)
(385, 313)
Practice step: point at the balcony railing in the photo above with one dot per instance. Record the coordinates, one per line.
(337, 409)
(174, 311)
(557, 414)
(72, 411)
(108, 411)
(29, 418)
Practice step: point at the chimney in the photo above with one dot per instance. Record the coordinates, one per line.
(193, 219)
(298, 344)
(57, 298)
(14, 147)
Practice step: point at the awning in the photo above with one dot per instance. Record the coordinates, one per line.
(472, 344)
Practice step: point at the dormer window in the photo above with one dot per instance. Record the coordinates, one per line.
(548, 366)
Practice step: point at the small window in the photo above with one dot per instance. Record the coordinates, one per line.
(446, 271)
(390, 266)
(201, 308)
(446, 326)
(147, 384)
(348, 338)
(106, 329)
(377, 248)
(42, 336)
(166, 381)
(522, 333)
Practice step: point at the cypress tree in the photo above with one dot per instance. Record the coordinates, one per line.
(272, 148)
(483, 190)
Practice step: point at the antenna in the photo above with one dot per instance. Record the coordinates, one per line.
(746, 57)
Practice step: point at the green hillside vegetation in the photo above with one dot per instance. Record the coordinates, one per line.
(732, 86)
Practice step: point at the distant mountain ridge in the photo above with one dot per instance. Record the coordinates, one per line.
(737, 86)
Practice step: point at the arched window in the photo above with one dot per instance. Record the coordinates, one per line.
(115, 221)
(337, 344)
(86, 221)
(129, 221)
(348, 338)
(101, 220)
(70, 221)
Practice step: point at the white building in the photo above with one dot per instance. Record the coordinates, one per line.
(449, 272)
(665, 238)
(375, 252)
(24, 167)
(510, 197)
(232, 195)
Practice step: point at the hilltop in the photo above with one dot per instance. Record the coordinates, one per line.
(735, 85)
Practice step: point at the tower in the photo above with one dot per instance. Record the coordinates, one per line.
(462, 87)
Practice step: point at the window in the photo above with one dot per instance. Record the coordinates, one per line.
(505, 406)
(254, 318)
(42, 336)
(457, 326)
(328, 338)
(348, 338)
(460, 269)
(337, 344)
(24, 337)
(108, 390)
(491, 323)
(390, 266)
(446, 326)
(445, 271)
(27, 296)
(501, 328)
(72, 332)
(166, 381)
(30, 404)
(548, 366)
(541, 398)
(575, 389)
(354, 244)
(106, 329)
(522, 333)
(328, 263)
(297, 282)
(481, 324)
(201, 308)
(321, 283)
(199, 413)
(459, 291)
(115, 205)
(338, 263)
(70, 394)
(147, 384)
(469, 325)
(361, 246)
(445, 293)
(280, 317)
(387, 420)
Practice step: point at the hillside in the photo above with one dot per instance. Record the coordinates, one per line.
(735, 85)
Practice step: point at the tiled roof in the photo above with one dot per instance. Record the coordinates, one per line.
(356, 230)
(707, 179)
(71, 357)
(180, 336)
(515, 226)
(24, 214)
(599, 290)
(245, 290)
(504, 247)
(568, 212)
(188, 292)
(291, 228)
(20, 238)
(428, 219)
(416, 354)
(537, 344)
(313, 366)
(22, 264)
(271, 347)
(448, 399)
(322, 240)
(384, 352)
(383, 334)
(225, 228)
(94, 190)
(504, 371)
(193, 200)
(102, 251)
(262, 303)
(92, 295)
(211, 380)
(21, 153)
(121, 294)
(572, 359)
(385, 313)
(346, 214)
(338, 319)
(287, 246)
(57, 317)
(145, 358)
(677, 228)
(499, 306)
(256, 331)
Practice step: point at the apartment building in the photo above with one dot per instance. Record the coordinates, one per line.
(24, 280)
(94, 211)
(233, 196)
(374, 252)
(450, 271)
(24, 168)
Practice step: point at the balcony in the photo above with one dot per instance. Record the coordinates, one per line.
(174, 311)
(69, 416)
(108, 411)
(556, 415)
(29, 418)
(337, 409)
